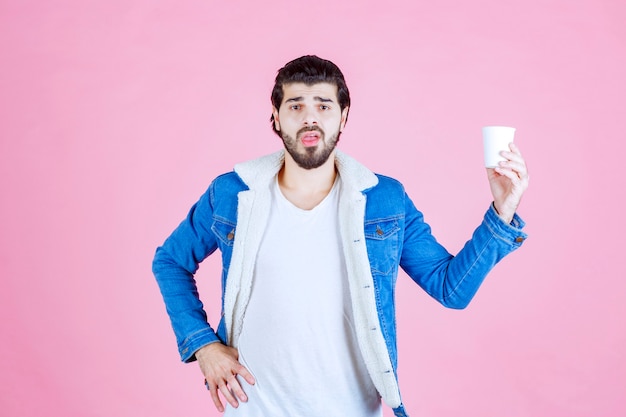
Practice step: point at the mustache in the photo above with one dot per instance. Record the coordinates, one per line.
(309, 129)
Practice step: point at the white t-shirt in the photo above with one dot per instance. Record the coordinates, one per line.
(297, 338)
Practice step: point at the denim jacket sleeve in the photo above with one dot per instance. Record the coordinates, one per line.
(174, 266)
(454, 280)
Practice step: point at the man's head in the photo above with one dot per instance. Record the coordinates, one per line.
(309, 70)
(310, 103)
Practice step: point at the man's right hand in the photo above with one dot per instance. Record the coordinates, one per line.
(220, 365)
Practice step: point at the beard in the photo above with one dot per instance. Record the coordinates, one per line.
(314, 156)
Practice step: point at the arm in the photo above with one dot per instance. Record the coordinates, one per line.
(454, 280)
(174, 266)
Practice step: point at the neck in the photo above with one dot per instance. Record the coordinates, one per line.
(305, 188)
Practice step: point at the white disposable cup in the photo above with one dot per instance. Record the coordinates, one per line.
(495, 140)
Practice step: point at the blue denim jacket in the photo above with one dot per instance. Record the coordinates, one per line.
(381, 229)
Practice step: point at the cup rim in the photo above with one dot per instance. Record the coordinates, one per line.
(498, 127)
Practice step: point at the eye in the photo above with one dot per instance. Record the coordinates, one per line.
(324, 107)
(294, 107)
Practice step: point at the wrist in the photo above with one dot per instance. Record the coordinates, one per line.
(502, 214)
(206, 349)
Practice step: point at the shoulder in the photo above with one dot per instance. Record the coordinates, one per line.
(387, 199)
(386, 186)
(227, 183)
(221, 197)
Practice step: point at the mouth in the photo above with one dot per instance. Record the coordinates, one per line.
(310, 138)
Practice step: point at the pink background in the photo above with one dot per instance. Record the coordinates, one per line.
(115, 115)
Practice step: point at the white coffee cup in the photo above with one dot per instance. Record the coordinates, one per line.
(495, 140)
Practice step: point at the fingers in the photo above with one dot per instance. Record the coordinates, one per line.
(509, 173)
(234, 388)
(514, 148)
(225, 389)
(231, 390)
(245, 374)
(514, 162)
(216, 398)
(220, 366)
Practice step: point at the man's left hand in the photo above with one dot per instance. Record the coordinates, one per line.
(508, 182)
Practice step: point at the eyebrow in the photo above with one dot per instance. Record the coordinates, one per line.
(316, 98)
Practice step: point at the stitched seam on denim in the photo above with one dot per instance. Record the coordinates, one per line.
(384, 219)
(211, 196)
(381, 318)
(223, 220)
(469, 269)
(226, 242)
(495, 234)
(390, 235)
(385, 236)
(191, 337)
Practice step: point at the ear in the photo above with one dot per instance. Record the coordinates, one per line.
(276, 121)
(344, 118)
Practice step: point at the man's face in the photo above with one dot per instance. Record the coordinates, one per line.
(310, 121)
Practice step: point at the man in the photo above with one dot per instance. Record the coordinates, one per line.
(311, 243)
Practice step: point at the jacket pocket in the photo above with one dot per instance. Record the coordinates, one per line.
(381, 237)
(224, 231)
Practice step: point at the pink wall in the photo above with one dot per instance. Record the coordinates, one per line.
(115, 115)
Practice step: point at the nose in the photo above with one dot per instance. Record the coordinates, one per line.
(310, 118)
